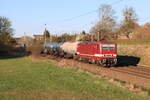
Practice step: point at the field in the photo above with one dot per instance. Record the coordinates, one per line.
(25, 79)
(132, 42)
(144, 43)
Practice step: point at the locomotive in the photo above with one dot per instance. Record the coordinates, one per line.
(101, 53)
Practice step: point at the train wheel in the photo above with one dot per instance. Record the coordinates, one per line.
(91, 61)
(97, 63)
(75, 57)
(80, 59)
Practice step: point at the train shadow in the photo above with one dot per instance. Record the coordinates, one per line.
(127, 61)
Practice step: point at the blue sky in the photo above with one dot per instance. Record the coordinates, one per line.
(30, 16)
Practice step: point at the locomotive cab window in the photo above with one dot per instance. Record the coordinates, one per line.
(108, 46)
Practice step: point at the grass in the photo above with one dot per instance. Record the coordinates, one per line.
(134, 43)
(23, 79)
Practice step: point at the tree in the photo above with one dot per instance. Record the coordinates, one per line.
(83, 32)
(6, 32)
(147, 25)
(142, 32)
(46, 35)
(81, 36)
(129, 21)
(106, 25)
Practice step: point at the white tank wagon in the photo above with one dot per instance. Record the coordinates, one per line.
(69, 49)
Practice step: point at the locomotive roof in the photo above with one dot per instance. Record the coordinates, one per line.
(95, 42)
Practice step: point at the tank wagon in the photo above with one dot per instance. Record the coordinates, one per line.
(52, 48)
(66, 50)
(101, 53)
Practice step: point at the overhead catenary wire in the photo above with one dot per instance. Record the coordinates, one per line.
(90, 12)
(85, 14)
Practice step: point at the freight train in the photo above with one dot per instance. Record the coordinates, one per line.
(101, 53)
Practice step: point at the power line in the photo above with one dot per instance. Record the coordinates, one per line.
(70, 19)
(87, 13)
(116, 2)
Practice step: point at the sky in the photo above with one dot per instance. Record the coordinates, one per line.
(29, 17)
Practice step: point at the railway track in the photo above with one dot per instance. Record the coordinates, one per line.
(139, 71)
(136, 71)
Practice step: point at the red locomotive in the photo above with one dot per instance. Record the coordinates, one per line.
(102, 53)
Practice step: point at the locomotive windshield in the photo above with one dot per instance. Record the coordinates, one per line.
(108, 46)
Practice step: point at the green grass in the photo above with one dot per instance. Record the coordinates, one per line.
(134, 43)
(23, 79)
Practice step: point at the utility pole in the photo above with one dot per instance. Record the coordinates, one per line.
(24, 39)
(92, 37)
(45, 36)
(99, 23)
(50, 37)
(101, 18)
(98, 35)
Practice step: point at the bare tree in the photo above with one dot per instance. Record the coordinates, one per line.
(46, 35)
(142, 32)
(106, 25)
(129, 21)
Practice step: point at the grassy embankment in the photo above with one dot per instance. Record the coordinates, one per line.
(134, 43)
(24, 79)
(134, 50)
(139, 50)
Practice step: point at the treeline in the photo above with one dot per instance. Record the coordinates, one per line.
(83, 36)
(48, 37)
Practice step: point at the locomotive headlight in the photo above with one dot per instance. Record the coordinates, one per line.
(114, 55)
(99, 55)
(78, 52)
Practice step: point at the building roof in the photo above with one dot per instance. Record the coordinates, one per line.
(38, 35)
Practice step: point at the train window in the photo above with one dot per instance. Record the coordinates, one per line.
(108, 46)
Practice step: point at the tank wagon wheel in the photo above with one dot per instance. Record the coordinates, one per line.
(60, 55)
(65, 55)
(42, 52)
(75, 57)
(80, 59)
